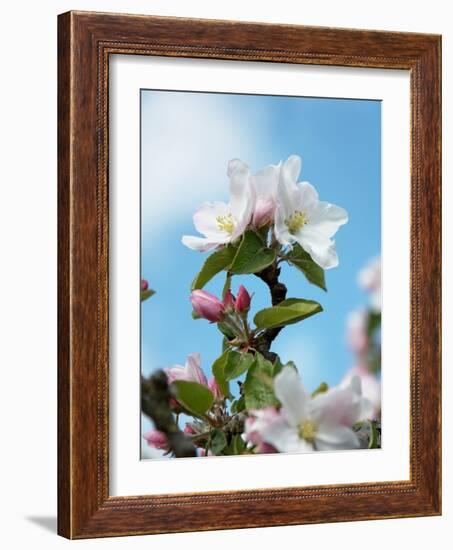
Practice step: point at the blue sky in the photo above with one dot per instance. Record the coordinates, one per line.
(187, 141)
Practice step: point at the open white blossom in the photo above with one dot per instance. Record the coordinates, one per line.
(320, 423)
(222, 223)
(301, 217)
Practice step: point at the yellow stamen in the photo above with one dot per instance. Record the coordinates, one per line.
(296, 221)
(225, 223)
(307, 431)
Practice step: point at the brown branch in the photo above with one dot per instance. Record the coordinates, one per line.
(278, 293)
(155, 398)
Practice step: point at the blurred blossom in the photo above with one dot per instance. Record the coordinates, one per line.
(370, 279)
(371, 386)
(357, 331)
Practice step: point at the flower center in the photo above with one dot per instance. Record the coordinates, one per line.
(225, 223)
(296, 221)
(307, 431)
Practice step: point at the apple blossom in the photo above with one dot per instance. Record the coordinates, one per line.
(191, 371)
(222, 223)
(207, 305)
(322, 423)
(301, 217)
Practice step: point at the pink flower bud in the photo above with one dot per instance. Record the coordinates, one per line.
(156, 439)
(206, 305)
(229, 300)
(243, 300)
(215, 388)
(144, 285)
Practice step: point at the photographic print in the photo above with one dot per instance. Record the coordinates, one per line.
(260, 274)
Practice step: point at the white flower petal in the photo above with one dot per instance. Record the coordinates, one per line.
(285, 438)
(321, 248)
(205, 219)
(198, 243)
(292, 167)
(292, 395)
(335, 438)
(281, 231)
(340, 406)
(236, 164)
(327, 218)
(307, 196)
(266, 182)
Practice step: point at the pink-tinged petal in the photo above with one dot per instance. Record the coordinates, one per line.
(265, 449)
(215, 389)
(292, 395)
(257, 424)
(321, 248)
(194, 371)
(263, 212)
(156, 439)
(189, 429)
(199, 244)
(177, 372)
(335, 438)
(265, 182)
(327, 218)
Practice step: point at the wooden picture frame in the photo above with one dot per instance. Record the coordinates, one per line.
(85, 42)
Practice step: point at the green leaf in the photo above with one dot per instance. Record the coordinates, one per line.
(218, 441)
(214, 264)
(374, 436)
(287, 312)
(226, 330)
(237, 364)
(252, 255)
(237, 446)
(322, 388)
(312, 271)
(374, 322)
(258, 390)
(145, 294)
(195, 397)
(238, 405)
(218, 370)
